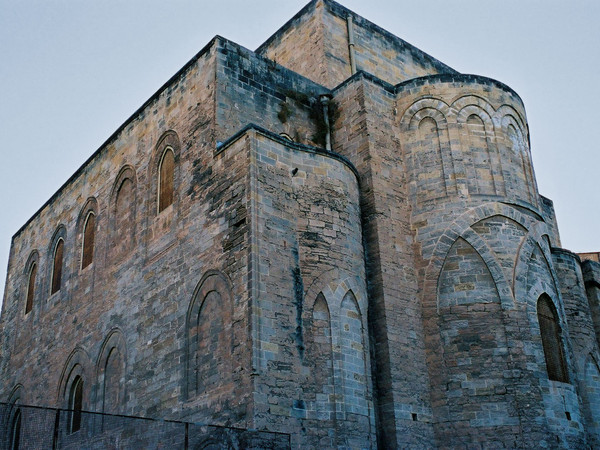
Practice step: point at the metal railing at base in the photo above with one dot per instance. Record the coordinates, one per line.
(35, 427)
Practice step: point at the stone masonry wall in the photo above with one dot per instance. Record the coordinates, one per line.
(591, 277)
(550, 218)
(124, 315)
(582, 338)
(315, 44)
(251, 89)
(363, 133)
(482, 264)
(311, 353)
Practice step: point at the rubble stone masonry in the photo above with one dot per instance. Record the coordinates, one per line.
(357, 257)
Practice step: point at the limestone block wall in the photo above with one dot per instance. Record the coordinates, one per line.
(120, 323)
(591, 277)
(315, 44)
(484, 263)
(251, 89)
(364, 133)
(310, 308)
(582, 338)
(549, 215)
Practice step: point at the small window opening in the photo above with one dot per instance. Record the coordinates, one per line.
(30, 288)
(89, 231)
(57, 266)
(75, 404)
(551, 342)
(165, 180)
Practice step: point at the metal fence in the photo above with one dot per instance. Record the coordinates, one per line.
(33, 427)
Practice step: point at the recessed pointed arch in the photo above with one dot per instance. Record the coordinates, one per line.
(482, 161)
(111, 370)
(31, 272)
(78, 363)
(209, 338)
(164, 172)
(550, 331)
(56, 255)
(87, 227)
(123, 211)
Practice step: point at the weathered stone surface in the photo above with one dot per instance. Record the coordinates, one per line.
(404, 289)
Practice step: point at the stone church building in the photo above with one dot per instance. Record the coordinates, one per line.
(335, 236)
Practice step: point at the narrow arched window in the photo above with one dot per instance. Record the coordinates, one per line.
(165, 179)
(30, 288)
(75, 404)
(15, 431)
(89, 230)
(57, 266)
(551, 342)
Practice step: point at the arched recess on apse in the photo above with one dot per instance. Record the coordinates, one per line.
(534, 265)
(318, 357)
(461, 227)
(344, 296)
(465, 278)
(517, 152)
(591, 399)
(56, 258)
(31, 277)
(353, 356)
(164, 173)
(551, 335)
(12, 415)
(427, 148)
(87, 226)
(111, 370)
(480, 153)
(123, 212)
(209, 338)
(77, 365)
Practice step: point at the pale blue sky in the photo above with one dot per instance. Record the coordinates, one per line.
(72, 71)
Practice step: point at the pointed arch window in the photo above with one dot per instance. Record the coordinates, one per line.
(89, 232)
(75, 404)
(551, 341)
(57, 266)
(165, 179)
(30, 288)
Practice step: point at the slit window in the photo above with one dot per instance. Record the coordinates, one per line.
(30, 288)
(551, 342)
(165, 180)
(57, 266)
(75, 404)
(89, 231)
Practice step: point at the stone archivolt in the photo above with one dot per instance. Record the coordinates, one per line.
(350, 248)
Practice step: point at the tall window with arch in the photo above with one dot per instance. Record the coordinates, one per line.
(57, 265)
(124, 206)
(75, 404)
(30, 287)
(89, 232)
(166, 170)
(551, 341)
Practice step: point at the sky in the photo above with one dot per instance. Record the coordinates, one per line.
(72, 71)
